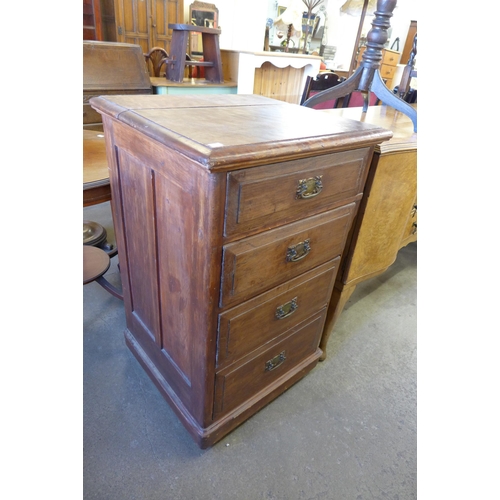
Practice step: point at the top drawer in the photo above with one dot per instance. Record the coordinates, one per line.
(261, 198)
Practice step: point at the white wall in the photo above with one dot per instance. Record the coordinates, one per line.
(242, 23)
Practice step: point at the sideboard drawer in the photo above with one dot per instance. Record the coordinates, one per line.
(390, 57)
(259, 263)
(236, 384)
(265, 197)
(386, 71)
(250, 325)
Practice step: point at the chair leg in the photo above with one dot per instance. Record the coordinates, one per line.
(109, 287)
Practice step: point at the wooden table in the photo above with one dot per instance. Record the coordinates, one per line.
(387, 217)
(96, 187)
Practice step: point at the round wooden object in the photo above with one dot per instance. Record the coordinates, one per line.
(95, 263)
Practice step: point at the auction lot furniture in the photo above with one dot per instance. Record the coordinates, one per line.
(231, 217)
(387, 219)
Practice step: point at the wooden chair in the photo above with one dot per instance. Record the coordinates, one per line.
(356, 100)
(320, 82)
(403, 90)
(155, 59)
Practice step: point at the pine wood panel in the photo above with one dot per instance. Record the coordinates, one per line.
(278, 83)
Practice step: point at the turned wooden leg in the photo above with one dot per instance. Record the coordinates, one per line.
(337, 303)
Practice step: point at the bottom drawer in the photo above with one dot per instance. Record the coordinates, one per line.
(235, 385)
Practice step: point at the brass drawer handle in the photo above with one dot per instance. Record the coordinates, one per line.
(275, 362)
(298, 251)
(309, 188)
(287, 309)
(413, 211)
(414, 226)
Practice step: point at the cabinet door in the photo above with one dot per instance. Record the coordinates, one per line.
(145, 22)
(133, 18)
(164, 12)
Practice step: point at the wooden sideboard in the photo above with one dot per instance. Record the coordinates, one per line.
(230, 226)
(387, 218)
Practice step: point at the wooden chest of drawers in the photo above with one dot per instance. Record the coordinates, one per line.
(230, 224)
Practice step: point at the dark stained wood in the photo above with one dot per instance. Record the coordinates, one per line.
(170, 158)
(409, 72)
(212, 61)
(92, 26)
(156, 58)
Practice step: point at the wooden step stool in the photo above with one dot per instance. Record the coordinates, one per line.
(212, 61)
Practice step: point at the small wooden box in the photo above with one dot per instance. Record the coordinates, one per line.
(231, 214)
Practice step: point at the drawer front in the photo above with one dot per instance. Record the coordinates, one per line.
(259, 263)
(387, 72)
(234, 386)
(390, 58)
(265, 197)
(250, 325)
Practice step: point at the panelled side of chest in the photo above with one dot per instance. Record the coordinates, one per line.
(168, 213)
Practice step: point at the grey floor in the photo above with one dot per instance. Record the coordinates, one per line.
(348, 430)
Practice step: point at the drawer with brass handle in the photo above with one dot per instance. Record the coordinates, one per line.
(266, 197)
(259, 263)
(248, 326)
(239, 382)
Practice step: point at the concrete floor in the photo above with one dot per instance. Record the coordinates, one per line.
(348, 430)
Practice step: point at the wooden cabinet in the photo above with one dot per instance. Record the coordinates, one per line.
(230, 226)
(390, 60)
(387, 218)
(145, 23)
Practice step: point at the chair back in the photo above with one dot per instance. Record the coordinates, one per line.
(155, 59)
(320, 82)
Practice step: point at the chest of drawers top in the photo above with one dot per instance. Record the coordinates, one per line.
(229, 132)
